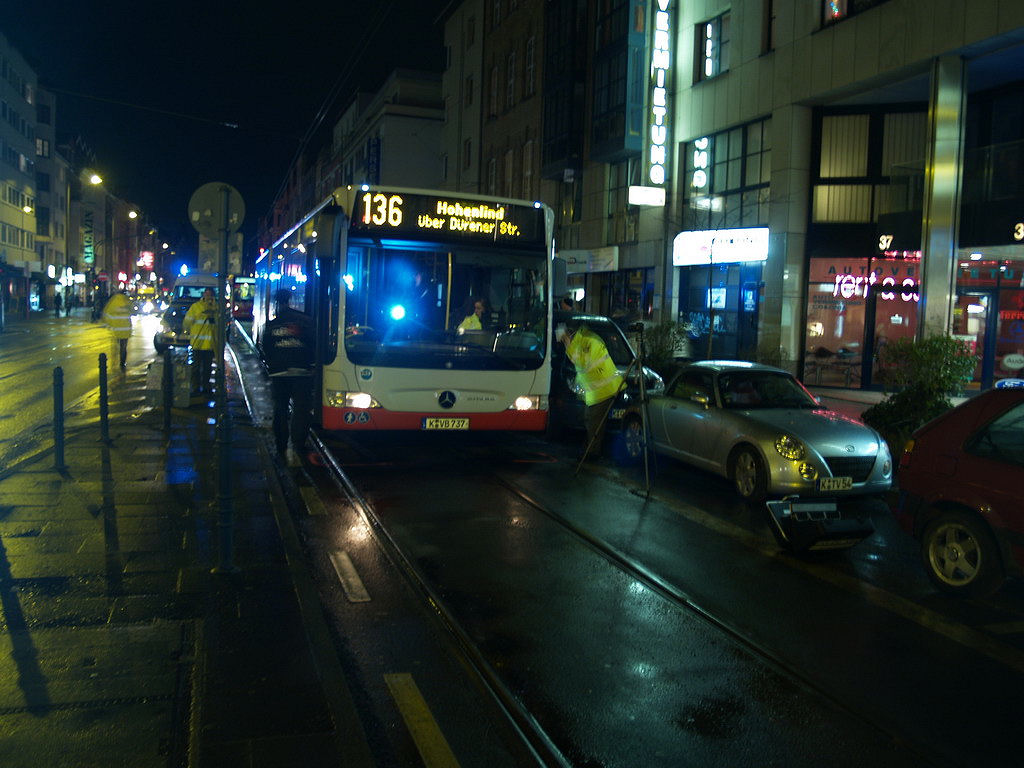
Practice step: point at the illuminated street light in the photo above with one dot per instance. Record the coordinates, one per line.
(133, 214)
(95, 179)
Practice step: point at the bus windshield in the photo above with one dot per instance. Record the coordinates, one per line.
(414, 306)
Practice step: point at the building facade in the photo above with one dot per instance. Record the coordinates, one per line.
(21, 278)
(847, 178)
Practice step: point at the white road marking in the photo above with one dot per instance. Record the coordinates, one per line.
(349, 577)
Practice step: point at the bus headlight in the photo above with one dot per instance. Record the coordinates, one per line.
(350, 400)
(529, 403)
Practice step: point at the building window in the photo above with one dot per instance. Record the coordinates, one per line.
(492, 176)
(510, 81)
(493, 111)
(467, 153)
(496, 14)
(837, 10)
(508, 187)
(529, 75)
(468, 94)
(470, 31)
(768, 29)
(712, 47)
(444, 166)
(42, 182)
(728, 177)
(833, 11)
(528, 169)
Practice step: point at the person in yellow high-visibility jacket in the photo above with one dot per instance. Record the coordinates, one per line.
(117, 314)
(598, 377)
(200, 323)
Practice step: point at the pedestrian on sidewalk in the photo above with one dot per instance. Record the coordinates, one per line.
(200, 324)
(117, 314)
(288, 350)
(58, 304)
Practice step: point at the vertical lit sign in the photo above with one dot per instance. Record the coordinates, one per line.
(701, 152)
(88, 251)
(657, 151)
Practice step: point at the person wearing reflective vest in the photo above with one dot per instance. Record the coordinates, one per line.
(117, 314)
(597, 376)
(200, 324)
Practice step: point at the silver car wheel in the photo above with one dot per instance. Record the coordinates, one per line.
(748, 475)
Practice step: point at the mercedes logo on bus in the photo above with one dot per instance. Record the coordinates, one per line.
(446, 399)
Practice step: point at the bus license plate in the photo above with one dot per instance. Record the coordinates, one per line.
(445, 423)
(835, 483)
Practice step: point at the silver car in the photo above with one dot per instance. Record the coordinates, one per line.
(759, 427)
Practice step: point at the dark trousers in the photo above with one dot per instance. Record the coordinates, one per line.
(122, 348)
(594, 418)
(203, 360)
(296, 391)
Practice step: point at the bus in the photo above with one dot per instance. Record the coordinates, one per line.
(242, 290)
(432, 309)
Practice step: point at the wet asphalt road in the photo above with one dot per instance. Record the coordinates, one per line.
(673, 631)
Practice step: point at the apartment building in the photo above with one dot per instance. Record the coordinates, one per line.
(21, 278)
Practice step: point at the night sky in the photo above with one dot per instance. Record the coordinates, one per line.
(151, 85)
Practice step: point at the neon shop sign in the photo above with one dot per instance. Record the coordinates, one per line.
(660, 61)
(888, 289)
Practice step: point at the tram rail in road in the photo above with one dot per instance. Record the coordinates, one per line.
(534, 731)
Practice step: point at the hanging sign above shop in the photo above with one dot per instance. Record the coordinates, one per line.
(720, 246)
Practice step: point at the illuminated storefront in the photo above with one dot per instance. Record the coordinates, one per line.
(854, 307)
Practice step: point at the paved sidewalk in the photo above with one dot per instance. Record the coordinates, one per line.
(118, 646)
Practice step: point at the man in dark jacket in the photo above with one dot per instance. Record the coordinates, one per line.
(289, 353)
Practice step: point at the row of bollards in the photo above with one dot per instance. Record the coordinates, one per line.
(223, 440)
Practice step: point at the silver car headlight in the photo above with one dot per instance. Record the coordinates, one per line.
(790, 448)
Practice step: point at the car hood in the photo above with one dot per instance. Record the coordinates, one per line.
(820, 427)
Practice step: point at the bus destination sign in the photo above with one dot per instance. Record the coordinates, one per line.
(447, 218)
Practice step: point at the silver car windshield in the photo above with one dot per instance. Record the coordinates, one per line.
(743, 390)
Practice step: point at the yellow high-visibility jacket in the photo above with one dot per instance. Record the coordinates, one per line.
(117, 314)
(200, 324)
(595, 369)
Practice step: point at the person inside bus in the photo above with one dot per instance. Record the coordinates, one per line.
(474, 311)
(288, 348)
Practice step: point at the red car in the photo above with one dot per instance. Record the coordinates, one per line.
(961, 480)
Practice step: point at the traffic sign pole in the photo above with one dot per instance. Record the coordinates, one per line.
(216, 210)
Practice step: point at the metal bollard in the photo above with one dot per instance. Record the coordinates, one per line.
(58, 419)
(104, 405)
(168, 388)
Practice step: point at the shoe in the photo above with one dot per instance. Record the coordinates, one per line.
(292, 458)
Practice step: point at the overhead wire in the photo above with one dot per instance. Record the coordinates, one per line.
(383, 10)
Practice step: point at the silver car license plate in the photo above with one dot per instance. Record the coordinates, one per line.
(835, 483)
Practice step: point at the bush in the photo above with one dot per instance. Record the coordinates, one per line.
(920, 375)
(660, 344)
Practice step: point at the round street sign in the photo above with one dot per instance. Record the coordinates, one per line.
(206, 209)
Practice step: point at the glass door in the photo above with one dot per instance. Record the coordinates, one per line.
(972, 318)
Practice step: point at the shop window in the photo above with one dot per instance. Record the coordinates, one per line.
(854, 308)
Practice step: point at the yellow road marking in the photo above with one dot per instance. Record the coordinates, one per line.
(430, 742)
(312, 500)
